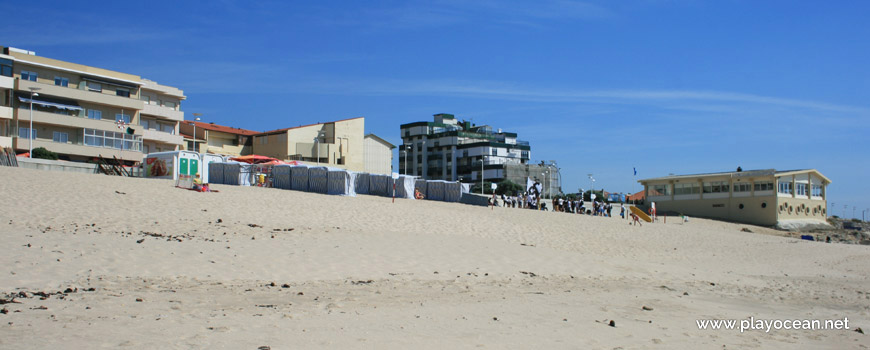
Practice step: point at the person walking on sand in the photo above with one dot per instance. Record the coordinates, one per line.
(635, 220)
(622, 210)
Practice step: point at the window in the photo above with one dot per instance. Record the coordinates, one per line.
(145, 123)
(124, 117)
(687, 188)
(785, 187)
(147, 99)
(495, 151)
(660, 190)
(26, 75)
(61, 137)
(169, 128)
(464, 154)
(801, 189)
(92, 86)
(6, 67)
(764, 186)
(22, 133)
(122, 92)
(742, 187)
(61, 81)
(169, 104)
(95, 114)
(119, 140)
(716, 187)
(817, 190)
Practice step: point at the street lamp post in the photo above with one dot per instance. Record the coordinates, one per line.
(316, 145)
(317, 150)
(30, 130)
(195, 119)
(481, 173)
(593, 186)
(407, 150)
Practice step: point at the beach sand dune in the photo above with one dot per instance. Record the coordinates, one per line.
(107, 262)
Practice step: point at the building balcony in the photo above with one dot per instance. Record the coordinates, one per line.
(5, 112)
(71, 121)
(81, 95)
(158, 136)
(77, 149)
(7, 82)
(163, 112)
(64, 120)
(167, 90)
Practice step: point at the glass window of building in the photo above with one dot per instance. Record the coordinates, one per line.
(61, 137)
(96, 87)
(95, 114)
(28, 75)
(60, 81)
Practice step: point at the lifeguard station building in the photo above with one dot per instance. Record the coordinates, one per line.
(762, 197)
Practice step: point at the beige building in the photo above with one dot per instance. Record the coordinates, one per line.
(160, 117)
(337, 144)
(75, 109)
(761, 197)
(7, 88)
(378, 155)
(217, 139)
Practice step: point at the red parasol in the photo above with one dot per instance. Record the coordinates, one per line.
(254, 159)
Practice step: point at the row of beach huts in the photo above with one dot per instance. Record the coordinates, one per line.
(185, 166)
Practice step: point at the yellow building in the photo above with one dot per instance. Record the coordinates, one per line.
(337, 144)
(761, 197)
(75, 109)
(217, 139)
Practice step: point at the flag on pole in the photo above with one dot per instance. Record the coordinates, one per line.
(635, 171)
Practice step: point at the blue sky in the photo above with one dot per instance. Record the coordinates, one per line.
(599, 86)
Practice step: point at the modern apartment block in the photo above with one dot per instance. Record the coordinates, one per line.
(337, 144)
(762, 197)
(447, 149)
(217, 139)
(76, 109)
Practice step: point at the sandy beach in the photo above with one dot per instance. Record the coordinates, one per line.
(92, 261)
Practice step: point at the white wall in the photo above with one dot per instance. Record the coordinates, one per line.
(378, 157)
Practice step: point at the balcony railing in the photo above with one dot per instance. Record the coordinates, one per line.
(81, 94)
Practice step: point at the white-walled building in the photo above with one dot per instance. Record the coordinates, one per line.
(378, 155)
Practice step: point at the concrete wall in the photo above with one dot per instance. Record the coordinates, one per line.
(755, 210)
(57, 165)
(378, 157)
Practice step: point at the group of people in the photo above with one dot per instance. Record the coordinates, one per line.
(578, 206)
(522, 201)
(560, 204)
